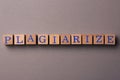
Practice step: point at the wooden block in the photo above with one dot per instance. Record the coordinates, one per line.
(110, 39)
(19, 39)
(87, 39)
(98, 39)
(54, 39)
(8, 39)
(76, 39)
(65, 39)
(30, 39)
(42, 39)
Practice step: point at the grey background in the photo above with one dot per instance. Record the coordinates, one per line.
(60, 62)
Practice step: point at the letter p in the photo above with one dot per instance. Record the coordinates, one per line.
(8, 39)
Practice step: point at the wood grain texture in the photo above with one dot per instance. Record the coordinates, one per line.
(76, 39)
(42, 39)
(19, 39)
(54, 39)
(110, 39)
(87, 39)
(30, 39)
(7, 39)
(65, 39)
(98, 39)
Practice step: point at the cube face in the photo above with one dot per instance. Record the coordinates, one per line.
(54, 39)
(98, 39)
(65, 39)
(42, 39)
(8, 39)
(87, 39)
(19, 39)
(75, 39)
(109, 39)
(30, 39)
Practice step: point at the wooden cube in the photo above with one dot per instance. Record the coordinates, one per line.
(54, 39)
(19, 39)
(8, 39)
(110, 39)
(30, 39)
(42, 39)
(75, 39)
(87, 39)
(98, 39)
(65, 39)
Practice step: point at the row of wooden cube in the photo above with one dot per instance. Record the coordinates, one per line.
(56, 39)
